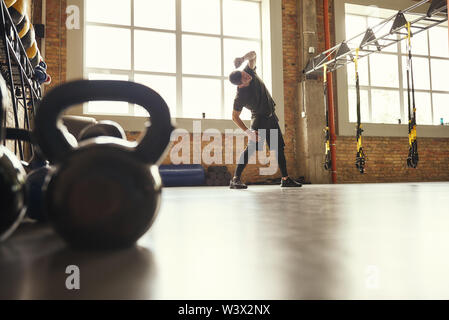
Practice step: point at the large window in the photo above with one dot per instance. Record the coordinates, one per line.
(383, 79)
(184, 49)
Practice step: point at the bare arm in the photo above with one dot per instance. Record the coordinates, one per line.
(236, 118)
(250, 57)
(238, 121)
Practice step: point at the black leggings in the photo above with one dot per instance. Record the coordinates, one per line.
(253, 146)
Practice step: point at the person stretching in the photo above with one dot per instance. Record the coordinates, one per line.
(253, 95)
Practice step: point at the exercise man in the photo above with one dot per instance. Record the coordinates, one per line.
(253, 95)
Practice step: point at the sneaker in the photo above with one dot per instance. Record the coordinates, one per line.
(236, 183)
(289, 183)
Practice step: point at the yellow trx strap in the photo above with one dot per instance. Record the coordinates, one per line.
(360, 155)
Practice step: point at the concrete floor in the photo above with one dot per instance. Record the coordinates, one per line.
(372, 241)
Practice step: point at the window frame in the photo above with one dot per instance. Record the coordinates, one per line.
(347, 128)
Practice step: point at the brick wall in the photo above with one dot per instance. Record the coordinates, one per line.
(291, 77)
(56, 41)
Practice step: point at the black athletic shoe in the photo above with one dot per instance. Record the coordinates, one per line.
(236, 183)
(289, 183)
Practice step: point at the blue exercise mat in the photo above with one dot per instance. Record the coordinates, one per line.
(182, 175)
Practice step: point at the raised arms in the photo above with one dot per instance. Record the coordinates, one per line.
(250, 56)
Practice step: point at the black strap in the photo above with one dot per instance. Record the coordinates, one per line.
(413, 157)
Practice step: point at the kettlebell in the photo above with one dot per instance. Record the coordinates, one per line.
(12, 180)
(37, 169)
(105, 192)
(105, 128)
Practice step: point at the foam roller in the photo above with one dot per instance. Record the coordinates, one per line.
(182, 175)
(18, 11)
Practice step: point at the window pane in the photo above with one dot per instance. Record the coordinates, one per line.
(439, 74)
(384, 70)
(209, 10)
(201, 96)
(421, 75)
(363, 72)
(155, 14)
(423, 107)
(364, 106)
(164, 85)
(230, 92)
(107, 107)
(386, 106)
(109, 11)
(108, 47)
(155, 51)
(238, 48)
(355, 25)
(438, 42)
(420, 44)
(241, 18)
(201, 55)
(440, 108)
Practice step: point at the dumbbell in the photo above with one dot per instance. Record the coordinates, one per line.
(104, 193)
(37, 169)
(23, 27)
(9, 3)
(102, 128)
(40, 73)
(26, 33)
(32, 50)
(17, 11)
(34, 54)
(12, 180)
(36, 59)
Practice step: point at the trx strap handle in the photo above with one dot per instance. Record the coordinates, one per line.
(413, 158)
(360, 155)
(327, 136)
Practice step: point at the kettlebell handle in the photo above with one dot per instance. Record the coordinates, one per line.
(50, 133)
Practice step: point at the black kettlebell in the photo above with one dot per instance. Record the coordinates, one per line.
(37, 169)
(102, 128)
(12, 180)
(105, 192)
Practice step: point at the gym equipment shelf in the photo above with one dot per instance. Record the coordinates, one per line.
(18, 72)
(375, 38)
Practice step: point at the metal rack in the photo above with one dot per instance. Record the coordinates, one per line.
(16, 69)
(376, 38)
